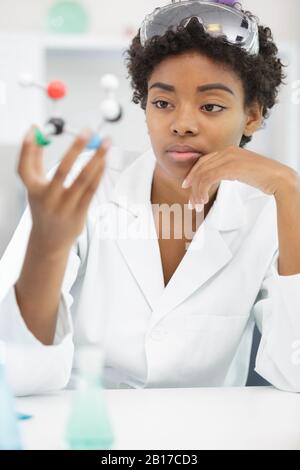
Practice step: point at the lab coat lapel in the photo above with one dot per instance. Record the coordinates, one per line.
(209, 251)
(138, 244)
(143, 259)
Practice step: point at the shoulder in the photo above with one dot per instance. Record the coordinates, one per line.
(254, 196)
(260, 209)
(121, 165)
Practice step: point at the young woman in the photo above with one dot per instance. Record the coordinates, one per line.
(168, 261)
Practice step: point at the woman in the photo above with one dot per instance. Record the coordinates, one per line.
(171, 260)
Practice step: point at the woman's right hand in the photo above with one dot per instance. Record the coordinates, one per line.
(59, 213)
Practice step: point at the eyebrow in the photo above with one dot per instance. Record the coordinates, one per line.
(200, 89)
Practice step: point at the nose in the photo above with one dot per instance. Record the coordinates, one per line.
(185, 123)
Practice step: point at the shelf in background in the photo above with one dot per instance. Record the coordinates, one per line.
(78, 42)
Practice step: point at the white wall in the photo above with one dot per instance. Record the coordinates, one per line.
(106, 16)
(115, 15)
(281, 16)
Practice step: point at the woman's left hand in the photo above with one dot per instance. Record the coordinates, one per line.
(235, 163)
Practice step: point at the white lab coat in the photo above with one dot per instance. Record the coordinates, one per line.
(195, 332)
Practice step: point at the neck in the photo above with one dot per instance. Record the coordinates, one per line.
(166, 190)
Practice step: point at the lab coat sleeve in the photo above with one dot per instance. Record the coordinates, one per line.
(277, 315)
(31, 366)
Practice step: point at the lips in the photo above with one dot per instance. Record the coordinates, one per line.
(183, 153)
(182, 149)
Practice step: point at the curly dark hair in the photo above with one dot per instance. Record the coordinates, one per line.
(261, 75)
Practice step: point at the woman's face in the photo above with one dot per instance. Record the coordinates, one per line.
(195, 102)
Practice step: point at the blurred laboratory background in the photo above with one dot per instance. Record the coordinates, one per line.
(77, 41)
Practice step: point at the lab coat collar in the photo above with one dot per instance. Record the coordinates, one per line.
(209, 250)
(134, 185)
(134, 189)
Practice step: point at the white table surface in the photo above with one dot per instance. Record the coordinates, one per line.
(195, 418)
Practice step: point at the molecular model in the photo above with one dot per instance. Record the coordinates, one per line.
(111, 110)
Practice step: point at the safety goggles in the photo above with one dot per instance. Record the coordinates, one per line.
(217, 19)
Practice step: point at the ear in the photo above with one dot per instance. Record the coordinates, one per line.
(254, 118)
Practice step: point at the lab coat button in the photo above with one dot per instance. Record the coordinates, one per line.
(158, 334)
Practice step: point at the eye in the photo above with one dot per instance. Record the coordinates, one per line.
(211, 106)
(161, 102)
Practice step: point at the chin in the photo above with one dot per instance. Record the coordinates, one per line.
(178, 170)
